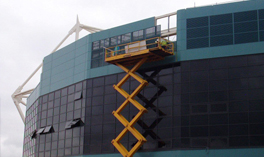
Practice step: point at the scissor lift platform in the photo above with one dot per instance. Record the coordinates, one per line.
(136, 54)
(153, 51)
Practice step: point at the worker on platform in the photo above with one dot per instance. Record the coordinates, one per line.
(164, 43)
(116, 50)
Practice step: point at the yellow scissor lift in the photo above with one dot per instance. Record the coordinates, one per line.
(134, 53)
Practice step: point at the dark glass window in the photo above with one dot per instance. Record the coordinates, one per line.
(150, 32)
(197, 22)
(246, 37)
(221, 40)
(245, 16)
(113, 41)
(198, 32)
(126, 38)
(246, 27)
(197, 43)
(102, 43)
(138, 35)
(95, 45)
(220, 19)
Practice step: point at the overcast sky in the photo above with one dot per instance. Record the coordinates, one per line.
(30, 30)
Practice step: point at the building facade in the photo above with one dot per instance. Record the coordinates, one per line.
(205, 100)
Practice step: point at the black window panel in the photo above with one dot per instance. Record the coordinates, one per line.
(97, 54)
(198, 97)
(63, 100)
(185, 132)
(185, 120)
(218, 85)
(150, 32)
(201, 131)
(137, 35)
(246, 27)
(219, 74)
(51, 96)
(57, 94)
(97, 129)
(95, 120)
(197, 43)
(95, 45)
(111, 79)
(238, 95)
(69, 107)
(220, 19)
(96, 63)
(236, 118)
(218, 119)
(55, 119)
(106, 42)
(218, 96)
(44, 114)
(256, 71)
(238, 106)
(218, 63)
(257, 140)
(219, 130)
(238, 141)
(50, 104)
(97, 110)
(257, 59)
(78, 95)
(165, 101)
(185, 109)
(245, 16)
(198, 32)
(256, 105)
(255, 94)
(97, 100)
(198, 76)
(126, 38)
(57, 102)
(50, 112)
(64, 92)
(221, 40)
(197, 22)
(167, 79)
(98, 91)
(113, 41)
(256, 117)
(261, 14)
(221, 29)
(235, 130)
(246, 37)
(78, 104)
(165, 122)
(261, 25)
(221, 107)
(256, 129)
(238, 84)
(70, 115)
(218, 143)
(101, 43)
(257, 82)
(198, 65)
(199, 142)
(199, 109)
(77, 114)
(62, 117)
(199, 120)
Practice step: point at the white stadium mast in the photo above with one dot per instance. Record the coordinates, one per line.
(18, 95)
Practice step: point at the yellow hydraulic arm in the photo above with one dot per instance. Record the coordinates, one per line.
(130, 99)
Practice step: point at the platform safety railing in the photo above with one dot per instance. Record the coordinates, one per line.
(151, 44)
